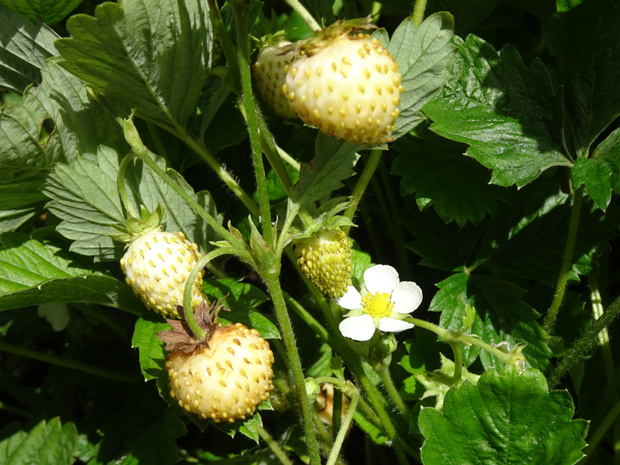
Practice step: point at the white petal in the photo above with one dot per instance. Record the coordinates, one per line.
(380, 278)
(390, 325)
(359, 328)
(351, 300)
(406, 297)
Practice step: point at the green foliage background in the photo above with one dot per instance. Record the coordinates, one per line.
(498, 197)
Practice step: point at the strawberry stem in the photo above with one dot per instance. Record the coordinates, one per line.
(304, 15)
(243, 55)
(418, 12)
(362, 184)
(294, 363)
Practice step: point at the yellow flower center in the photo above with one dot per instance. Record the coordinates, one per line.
(378, 305)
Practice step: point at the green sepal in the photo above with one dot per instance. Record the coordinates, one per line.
(136, 227)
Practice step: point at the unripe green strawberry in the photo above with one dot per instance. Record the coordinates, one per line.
(157, 264)
(348, 87)
(268, 72)
(225, 381)
(325, 259)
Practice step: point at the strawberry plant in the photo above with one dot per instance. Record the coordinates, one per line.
(314, 232)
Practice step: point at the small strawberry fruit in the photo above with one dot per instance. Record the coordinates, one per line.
(268, 72)
(325, 259)
(157, 264)
(222, 379)
(347, 86)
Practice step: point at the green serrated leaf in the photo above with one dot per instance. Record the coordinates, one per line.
(501, 316)
(85, 196)
(333, 162)
(48, 11)
(508, 113)
(587, 40)
(150, 348)
(505, 418)
(24, 48)
(32, 273)
(597, 177)
(436, 171)
(151, 56)
(423, 55)
(47, 443)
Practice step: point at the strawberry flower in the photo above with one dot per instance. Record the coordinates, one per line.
(383, 304)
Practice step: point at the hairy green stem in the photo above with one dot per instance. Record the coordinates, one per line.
(66, 363)
(584, 343)
(567, 261)
(241, 16)
(188, 310)
(294, 362)
(362, 184)
(458, 362)
(603, 336)
(384, 373)
(273, 445)
(418, 12)
(344, 427)
(304, 14)
(452, 337)
(133, 138)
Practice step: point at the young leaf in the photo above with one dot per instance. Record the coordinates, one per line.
(508, 113)
(600, 174)
(47, 11)
(423, 55)
(438, 174)
(587, 40)
(24, 47)
(48, 443)
(32, 273)
(505, 418)
(501, 316)
(151, 56)
(333, 162)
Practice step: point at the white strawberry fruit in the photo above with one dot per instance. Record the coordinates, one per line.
(224, 379)
(268, 73)
(157, 265)
(347, 86)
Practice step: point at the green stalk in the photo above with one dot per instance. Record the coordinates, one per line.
(418, 12)
(219, 170)
(188, 311)
(304, 14)
(294, 362)
(66, 363)
(452, 337)
(603, 336)
(241, 16)
(458, 362)
(273, 445)
(344, 427)
(584, 343)
(133, 138)
(362, 184)
(390, 388)
(567, 261)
